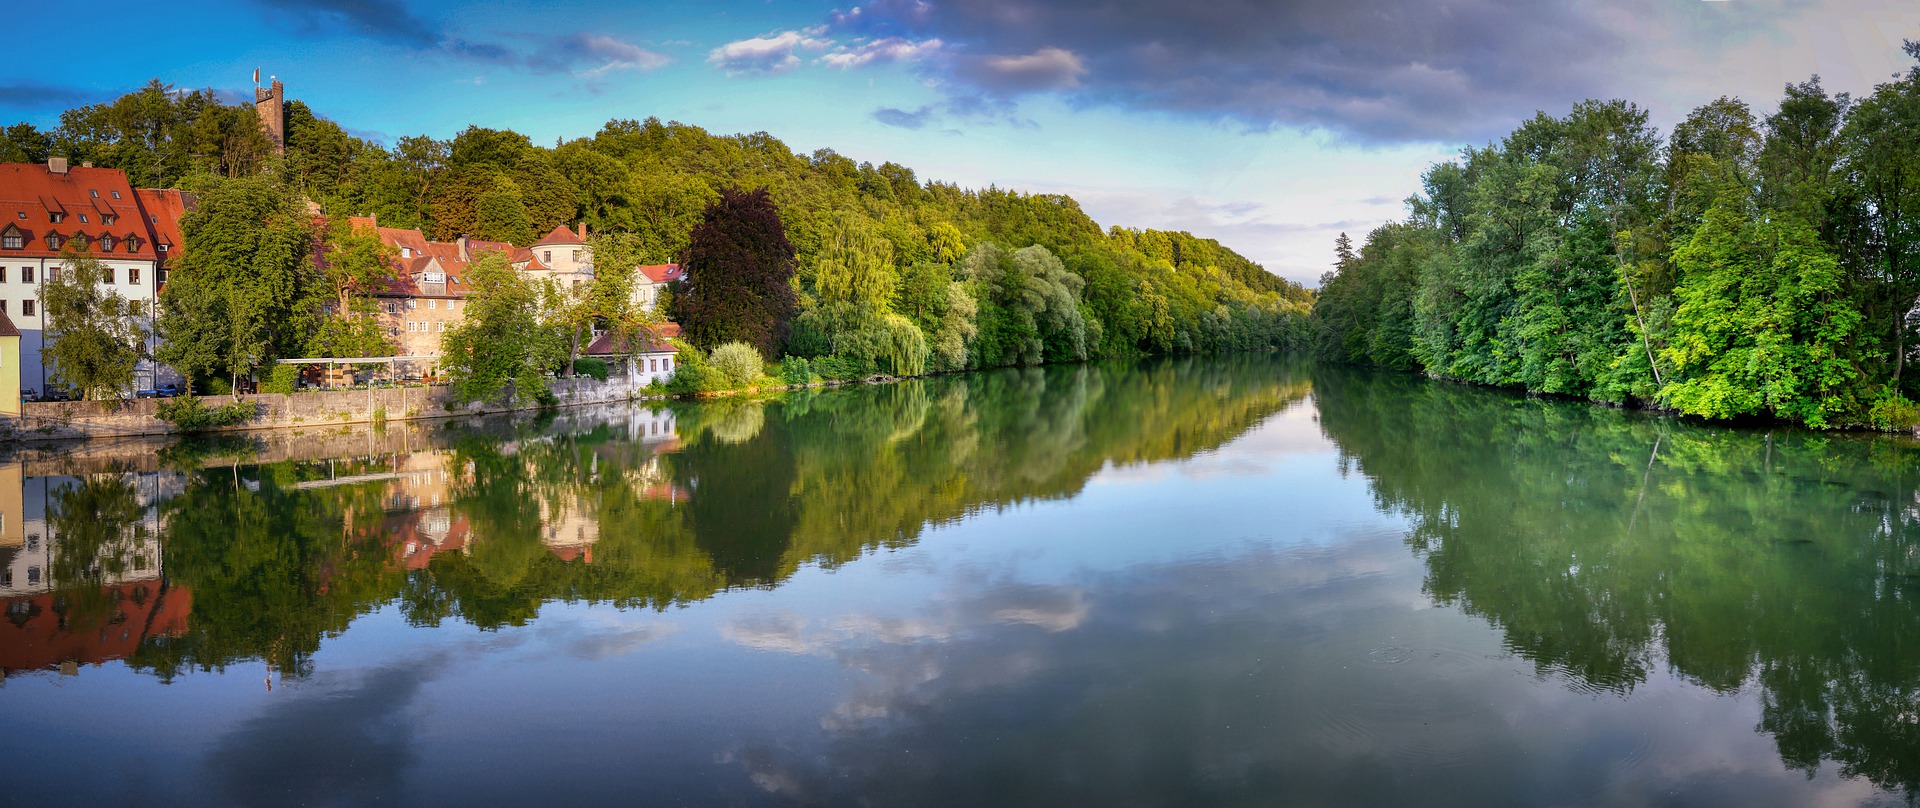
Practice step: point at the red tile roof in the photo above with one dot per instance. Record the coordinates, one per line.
(162, 209)
(663, 273)
(606, 345)
(561, 235)
(30, 194)
(7, 328)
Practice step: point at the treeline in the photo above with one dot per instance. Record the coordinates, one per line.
(1744, 266)
(961, 278)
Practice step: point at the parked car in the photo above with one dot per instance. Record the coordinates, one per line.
(55, 394)
(163, 391)
(29, 394)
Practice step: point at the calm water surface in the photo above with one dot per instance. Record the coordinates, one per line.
(1235, 581)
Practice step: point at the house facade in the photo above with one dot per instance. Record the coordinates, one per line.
(649, 280)
(47, 209)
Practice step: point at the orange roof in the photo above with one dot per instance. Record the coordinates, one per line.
(606, 345)
(7, 328)
(561, 235)
(36, 637)
(663, 273)
(30, 195)
(163, 209)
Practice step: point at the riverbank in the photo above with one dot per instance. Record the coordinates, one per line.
(71, 420)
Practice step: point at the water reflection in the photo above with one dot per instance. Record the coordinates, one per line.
(1608, 547)
(1164, 583)
(643, 508)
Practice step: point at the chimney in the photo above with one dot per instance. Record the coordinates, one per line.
(56, 165)
(583, 231)
(462, 241)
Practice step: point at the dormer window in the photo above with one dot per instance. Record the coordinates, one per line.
(93, 193)
(108, 219)
(54, 240)
(116, 194)
(83, 219)
(23, 215)
(106, 243)
(80, 240)
(133, 244)
(57, 216)
(13, 240)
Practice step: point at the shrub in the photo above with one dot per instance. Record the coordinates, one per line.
(589, 366)
(843, 367)
(284, 379)
(794, 370)
(691, 373)
(739, 362)
(187, 414)
(217, 386)
(1892, 412)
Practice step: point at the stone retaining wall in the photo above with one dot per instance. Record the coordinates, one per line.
(64, 420)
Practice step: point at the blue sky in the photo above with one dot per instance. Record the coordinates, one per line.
(1268, 124)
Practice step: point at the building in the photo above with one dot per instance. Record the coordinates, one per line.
(270, 103)
(46, 209)
(427, 296)
(645, 359)
(562, 256)
(651, 279)
(9, 367)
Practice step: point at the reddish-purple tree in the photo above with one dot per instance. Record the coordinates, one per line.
(739, 272)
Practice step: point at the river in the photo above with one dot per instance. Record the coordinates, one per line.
(1203, 581)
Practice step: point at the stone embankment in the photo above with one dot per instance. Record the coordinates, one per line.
(54, 421)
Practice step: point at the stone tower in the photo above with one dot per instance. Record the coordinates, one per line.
(271, 104)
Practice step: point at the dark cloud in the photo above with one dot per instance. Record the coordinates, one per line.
(390, 22)
(1379, 70)
(903, 119)
(336, 739)
(34, 95)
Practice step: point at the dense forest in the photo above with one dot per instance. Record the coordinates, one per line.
(962, 278)
(1743, 266)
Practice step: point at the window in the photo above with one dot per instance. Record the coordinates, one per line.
(667, 363)
(576, 256)
(412, 304)
(83, 218)
(93, 193)
(393, 331)
(26, 274)
(13, 241)
(26, 308)
(433, 304)
(106, 243)
(107, 218)
(3, 274)
(133, 244)
(133, 275)
(109, 271)
(546, 256)
(443, 325)
(116, 194)
(392, 307)
(653, 365)
(80, 239)
(57, 216)
(3, 307)
(163, 248)
(53, 241)
(33, 576)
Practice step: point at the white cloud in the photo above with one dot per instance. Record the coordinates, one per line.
(881, 51)
(766, 54)
(1048, 68)
(614, 54)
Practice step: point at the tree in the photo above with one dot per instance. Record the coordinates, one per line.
(500, 213)
(739, 267)
(95, 337)
(499, 347)
(245, 292)
(357, 266)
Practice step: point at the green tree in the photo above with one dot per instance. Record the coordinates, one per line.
(244, 292)
(95, 337)
(499, 349)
